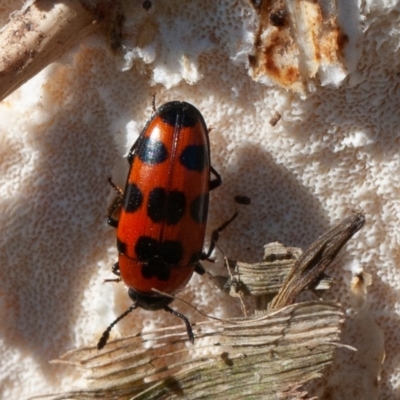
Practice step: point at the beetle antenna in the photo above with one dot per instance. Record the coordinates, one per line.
(185, 320)
(188, 304)
(106, 334)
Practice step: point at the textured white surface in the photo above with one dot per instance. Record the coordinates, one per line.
(64, 132)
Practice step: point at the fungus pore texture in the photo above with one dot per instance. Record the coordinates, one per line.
(336, 148)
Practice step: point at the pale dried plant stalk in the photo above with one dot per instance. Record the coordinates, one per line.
(267, 277)
(38, 35)
(267, 357)
(314, 261)
(263, 357)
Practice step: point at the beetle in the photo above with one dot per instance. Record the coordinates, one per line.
(163, 210)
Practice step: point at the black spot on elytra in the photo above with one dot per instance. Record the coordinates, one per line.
(167, 252)
(180, 114)
(156, 206)
(152, 151)
(175, 207)
(133, 198)
(157, 270)
(121, 246)
(199, 208)
(146, 248)
(166, 206)
(194, 157)
(171, 251)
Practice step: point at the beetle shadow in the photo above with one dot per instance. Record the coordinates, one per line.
(282, 209)
(54, 226)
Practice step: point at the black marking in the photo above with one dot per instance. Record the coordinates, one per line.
(149, 249)
(146, 248)
(180, 114)
(166, 206)
(157, 270)
(152, 151)
(171, 252)
(156, 206)
(199, 208)
(121, 246)
(133, 198)
(194, 157)
(175, 207)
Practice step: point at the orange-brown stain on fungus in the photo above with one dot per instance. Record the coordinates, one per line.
(294, 40)
(274, 60)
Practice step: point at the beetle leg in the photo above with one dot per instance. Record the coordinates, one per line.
(115, 269)
(199, 269)
(153, 102)
(214, 183)
(115, 205)
(215, 236)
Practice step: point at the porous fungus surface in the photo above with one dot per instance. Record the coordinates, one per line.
(335, 149)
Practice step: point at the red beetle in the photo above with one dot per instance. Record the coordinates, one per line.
(162, 223)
